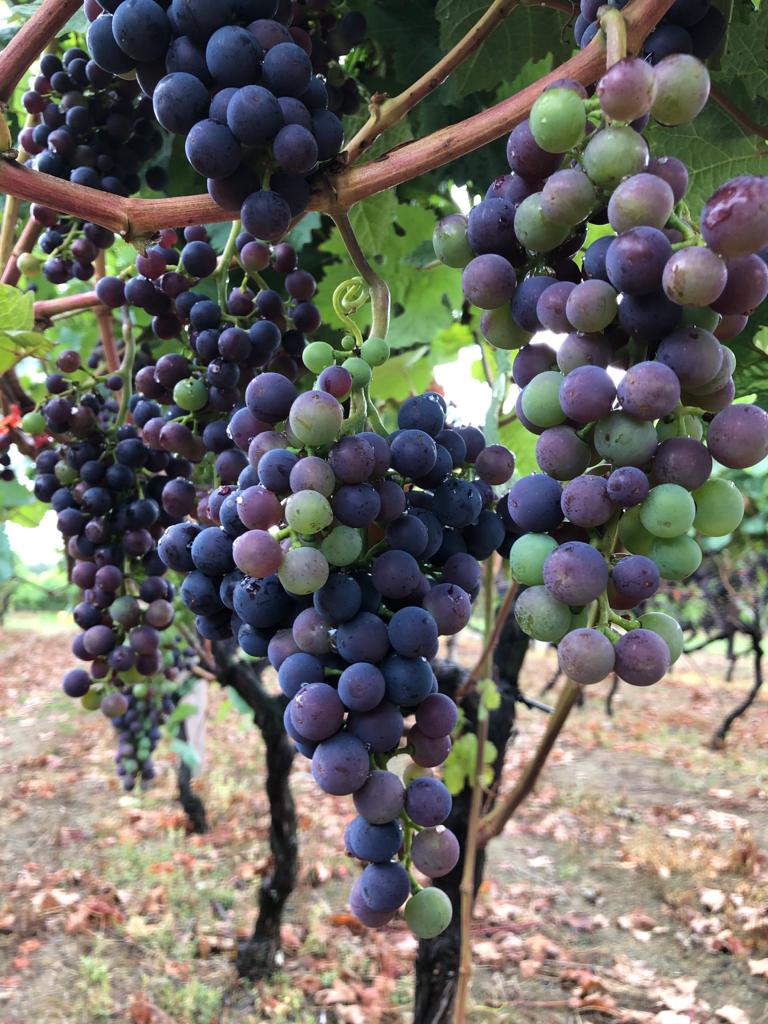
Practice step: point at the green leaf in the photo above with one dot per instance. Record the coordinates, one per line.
(498, 394)
(490, 697)
(181, 713)
(6, 555)
(16, 345)
(714, 148)
(17, 309)
(186, 752)
(526, 35)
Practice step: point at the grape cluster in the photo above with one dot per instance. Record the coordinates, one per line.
(342, 555)
(240, 86)
(95, 128)
(690, 26)
(106, 487)
(628, 464)
(71, 247)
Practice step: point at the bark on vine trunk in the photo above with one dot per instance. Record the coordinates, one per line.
(258, 956)
(437, 962)
(192, 804)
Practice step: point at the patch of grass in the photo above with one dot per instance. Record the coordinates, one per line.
(193, 1002)
(94, 987)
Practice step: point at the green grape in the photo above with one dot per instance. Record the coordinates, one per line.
(558, 120)
(668, 629)
(140, 690)
(633, 535)
(501, 331)
(700, 316)
(428, 913)
(676, 557)
(527, 556)
(583, 617)
(415, 771)
(29, 266)
(449, 241)
(64, 473)
(719, 507)
(303, 571)
(680, 426)
(375, 351)
(342, 546)
(308, 512)
(534, 230)
(541, 616)
(541, 399)
(623, 440)
(92, 700)
(190, 394)
(317, 356)
(315, 418)
(613, 154)
(33, 423)
(682, 89)
(668, 511)
(131, 765)
(360, 370)
(348, 342)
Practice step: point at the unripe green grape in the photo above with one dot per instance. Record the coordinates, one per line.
(676, 557)
(375, 351)
(584, 616)
(131, 765)
(343, 545)
(33, 423)
(527, 556)
(428, 913)
(415, 771)
(449, 241)
(535, 231)
(190, 394)
(668, 629)
(64, 473)
(303, 571)
(623, 440)
(315, 418)
(500, 330)
(541, 399)
(348, 342)
(633, 535)
(719, 507)
(558, 120)
(541, 616)
(140, 690)
(92, 700)
(613, 154)
(360, 370)
(684, 426)
(308, 512)
(700, 316)
(668, 511)
(682, 89)
(317, 356)
(28, 264)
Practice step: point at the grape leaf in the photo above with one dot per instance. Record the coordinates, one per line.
(16, 309)
(16, 345)
(527, 34)
(714, 148)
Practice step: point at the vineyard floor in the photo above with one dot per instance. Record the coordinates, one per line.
(632, 887)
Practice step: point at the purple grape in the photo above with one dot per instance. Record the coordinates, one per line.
(575, 573)
(381, 798)
(561, 453)
(450, 607)
(488, 281)
(642, 657)
(380, 729)
(586, 656)
(683, 461)
(635, 579)
(361, 686)
(375, 843)
(435, 851)
(586, 502)
(384, 887)
(436, 716)
(628, 486)
(340, 765)
(746, 285)
(734, 221)
(587, 394)
(738, 436)
(694, 355)
(532, 360)
(635, 261)
(427, 801)
(649, 390)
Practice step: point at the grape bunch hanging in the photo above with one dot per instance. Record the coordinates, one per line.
(626, 478)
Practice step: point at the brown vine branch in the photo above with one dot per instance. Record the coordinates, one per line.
(136, 218)
(47, 308)
(738, 115)
(31, 39)
(380, 299)
(387, 112)
(26, 243)
(490, 645)
(493, 823)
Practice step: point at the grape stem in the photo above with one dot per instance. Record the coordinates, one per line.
(137, 218)
(490, 645)
(377, 285)
(738, 115)
(104, 317)
(628, 622)
(615, 28)
(689, 233)
(225, 261)
(8, 230)
(372, 415)
(126, 367)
